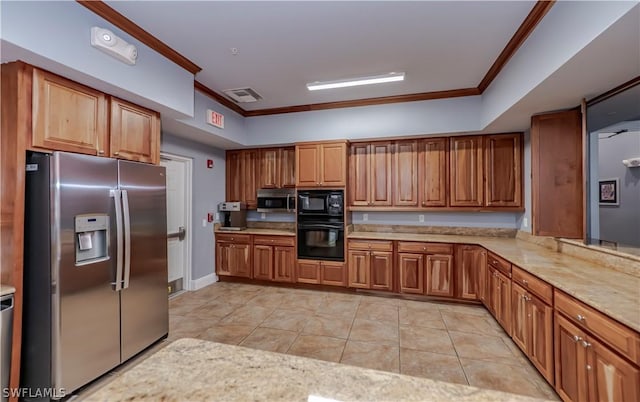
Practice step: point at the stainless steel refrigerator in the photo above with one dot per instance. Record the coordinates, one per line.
(95, 277)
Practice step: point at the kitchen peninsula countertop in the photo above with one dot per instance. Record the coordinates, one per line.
(197, 370)
(614, 293)
(259, 231)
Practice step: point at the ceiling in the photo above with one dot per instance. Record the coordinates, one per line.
(281, 46)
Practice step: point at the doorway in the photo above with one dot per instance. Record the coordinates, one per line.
(179, 179)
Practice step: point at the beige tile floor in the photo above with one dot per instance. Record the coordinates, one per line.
(448, 342)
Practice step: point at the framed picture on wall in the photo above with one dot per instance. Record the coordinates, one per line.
(609, 192)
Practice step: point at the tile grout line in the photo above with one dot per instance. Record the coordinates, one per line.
(350, 328)
(466, 377)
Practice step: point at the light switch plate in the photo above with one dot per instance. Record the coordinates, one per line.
(204, 223)
(525, 222)
(365, 217)
(421, 218)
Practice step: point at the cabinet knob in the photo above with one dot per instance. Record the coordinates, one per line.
(116, 153)
(577, 338)
(101, 152)
(580, 317)
(586, 344)
(524, 282)
(589, 367)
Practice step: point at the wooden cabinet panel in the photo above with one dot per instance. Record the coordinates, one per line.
(499, 263)
(380, 173)
(359, 175)
(465, 172)
(467, 261)
(68, 116)
(503, 170)
(609, 376)
(406, 173)
(240, 260)
(251, 174)
(556, 174)
(332, 273)
(483, 277)
(333, 165)
(433, 177)
(308, 271)
(234, 171)
(426, 248)
(519, 313)
(287, 166)
(359, 269)
(381, 266)
(570, 361)
(439, 271)
(372, 245)
(262, 262)
(307, 165)
(284, 259)
(503, 309)
(134, 132)
(411, 268)
(223, 259)
(531, 283)
(269, 172)
(540, 339)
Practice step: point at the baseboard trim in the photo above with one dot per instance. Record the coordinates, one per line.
(204, 281)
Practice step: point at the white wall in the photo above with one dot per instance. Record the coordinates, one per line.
(208, 191)
(55, 35)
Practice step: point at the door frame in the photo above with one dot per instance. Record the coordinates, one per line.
(186, 277)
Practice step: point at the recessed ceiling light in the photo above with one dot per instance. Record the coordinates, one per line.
(376, 79)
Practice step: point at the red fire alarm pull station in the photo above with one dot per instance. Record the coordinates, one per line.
(209, 217)
(210, 163)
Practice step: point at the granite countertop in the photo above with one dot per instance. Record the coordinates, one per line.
(614, 293)
(7, 290)
(259, 231)
(197, 370)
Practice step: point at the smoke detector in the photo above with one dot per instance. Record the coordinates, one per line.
(243, 95)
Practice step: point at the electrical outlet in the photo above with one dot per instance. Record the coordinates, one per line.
(204, 223)
(525, 222)
(218, 216)
(263, 216)
(421, 218)
(365, 217)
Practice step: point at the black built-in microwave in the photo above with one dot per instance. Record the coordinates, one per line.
(321, 202)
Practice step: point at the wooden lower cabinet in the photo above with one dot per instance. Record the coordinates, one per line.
(439, 275)
(532, 329)
(321, 272)
(411, 267)
(263, 262)
(233, 259)
(381, 268)
(586, 369)
(499, 295)
(359, 263)
(284, 260)
(308, 271)
(483, 277)
(370, 264)
(468, 262)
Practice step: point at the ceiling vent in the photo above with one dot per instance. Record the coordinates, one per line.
(243, 95)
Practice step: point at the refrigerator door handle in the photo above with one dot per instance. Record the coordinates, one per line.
(117, 195)
(127, 238)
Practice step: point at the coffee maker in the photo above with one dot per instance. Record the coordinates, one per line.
(234, 215)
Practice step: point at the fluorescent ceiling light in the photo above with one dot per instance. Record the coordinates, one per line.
(376, 79)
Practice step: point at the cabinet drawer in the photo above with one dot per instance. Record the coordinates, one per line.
(499, 263)
(531, 283)
(232, 237)
(616, 335)
(375, 245)
(285, 241)
(425, 248)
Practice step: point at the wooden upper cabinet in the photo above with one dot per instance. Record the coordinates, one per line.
(234, 173)
(465, 172)
(250, 178)
(287, 167)
(134, 132)
(269, 172)
(370, 174)
(503, 170)
(406, 174)
(321, 165)
(68, 116)
(433, 175)
(556, 174)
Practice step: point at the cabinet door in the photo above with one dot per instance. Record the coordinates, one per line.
(359, 175)
(380, 176)
(466, 263)
(269, 172)
(251, 174)
(68, 116)
(234, 175)
(465, 172)
(406, 174)
(540, 330)
(433, 173)
(381, 263)
(503, 170)
(241, 260)
(223, 258)
(610, 377)
(284, 259)
(333, 165)
(287, 167)
(439, 275)
(483, 276)
(262, 262)
(519, 319)
(332, 273)
(493, 283)
(411, 273)
(134, 132)
(307, 165)
(308, 271)
(570, 361)
(359, 269)
(503, 309)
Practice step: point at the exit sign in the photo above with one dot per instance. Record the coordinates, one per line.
(215, 119)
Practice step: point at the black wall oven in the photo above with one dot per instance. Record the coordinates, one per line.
(321, 225)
